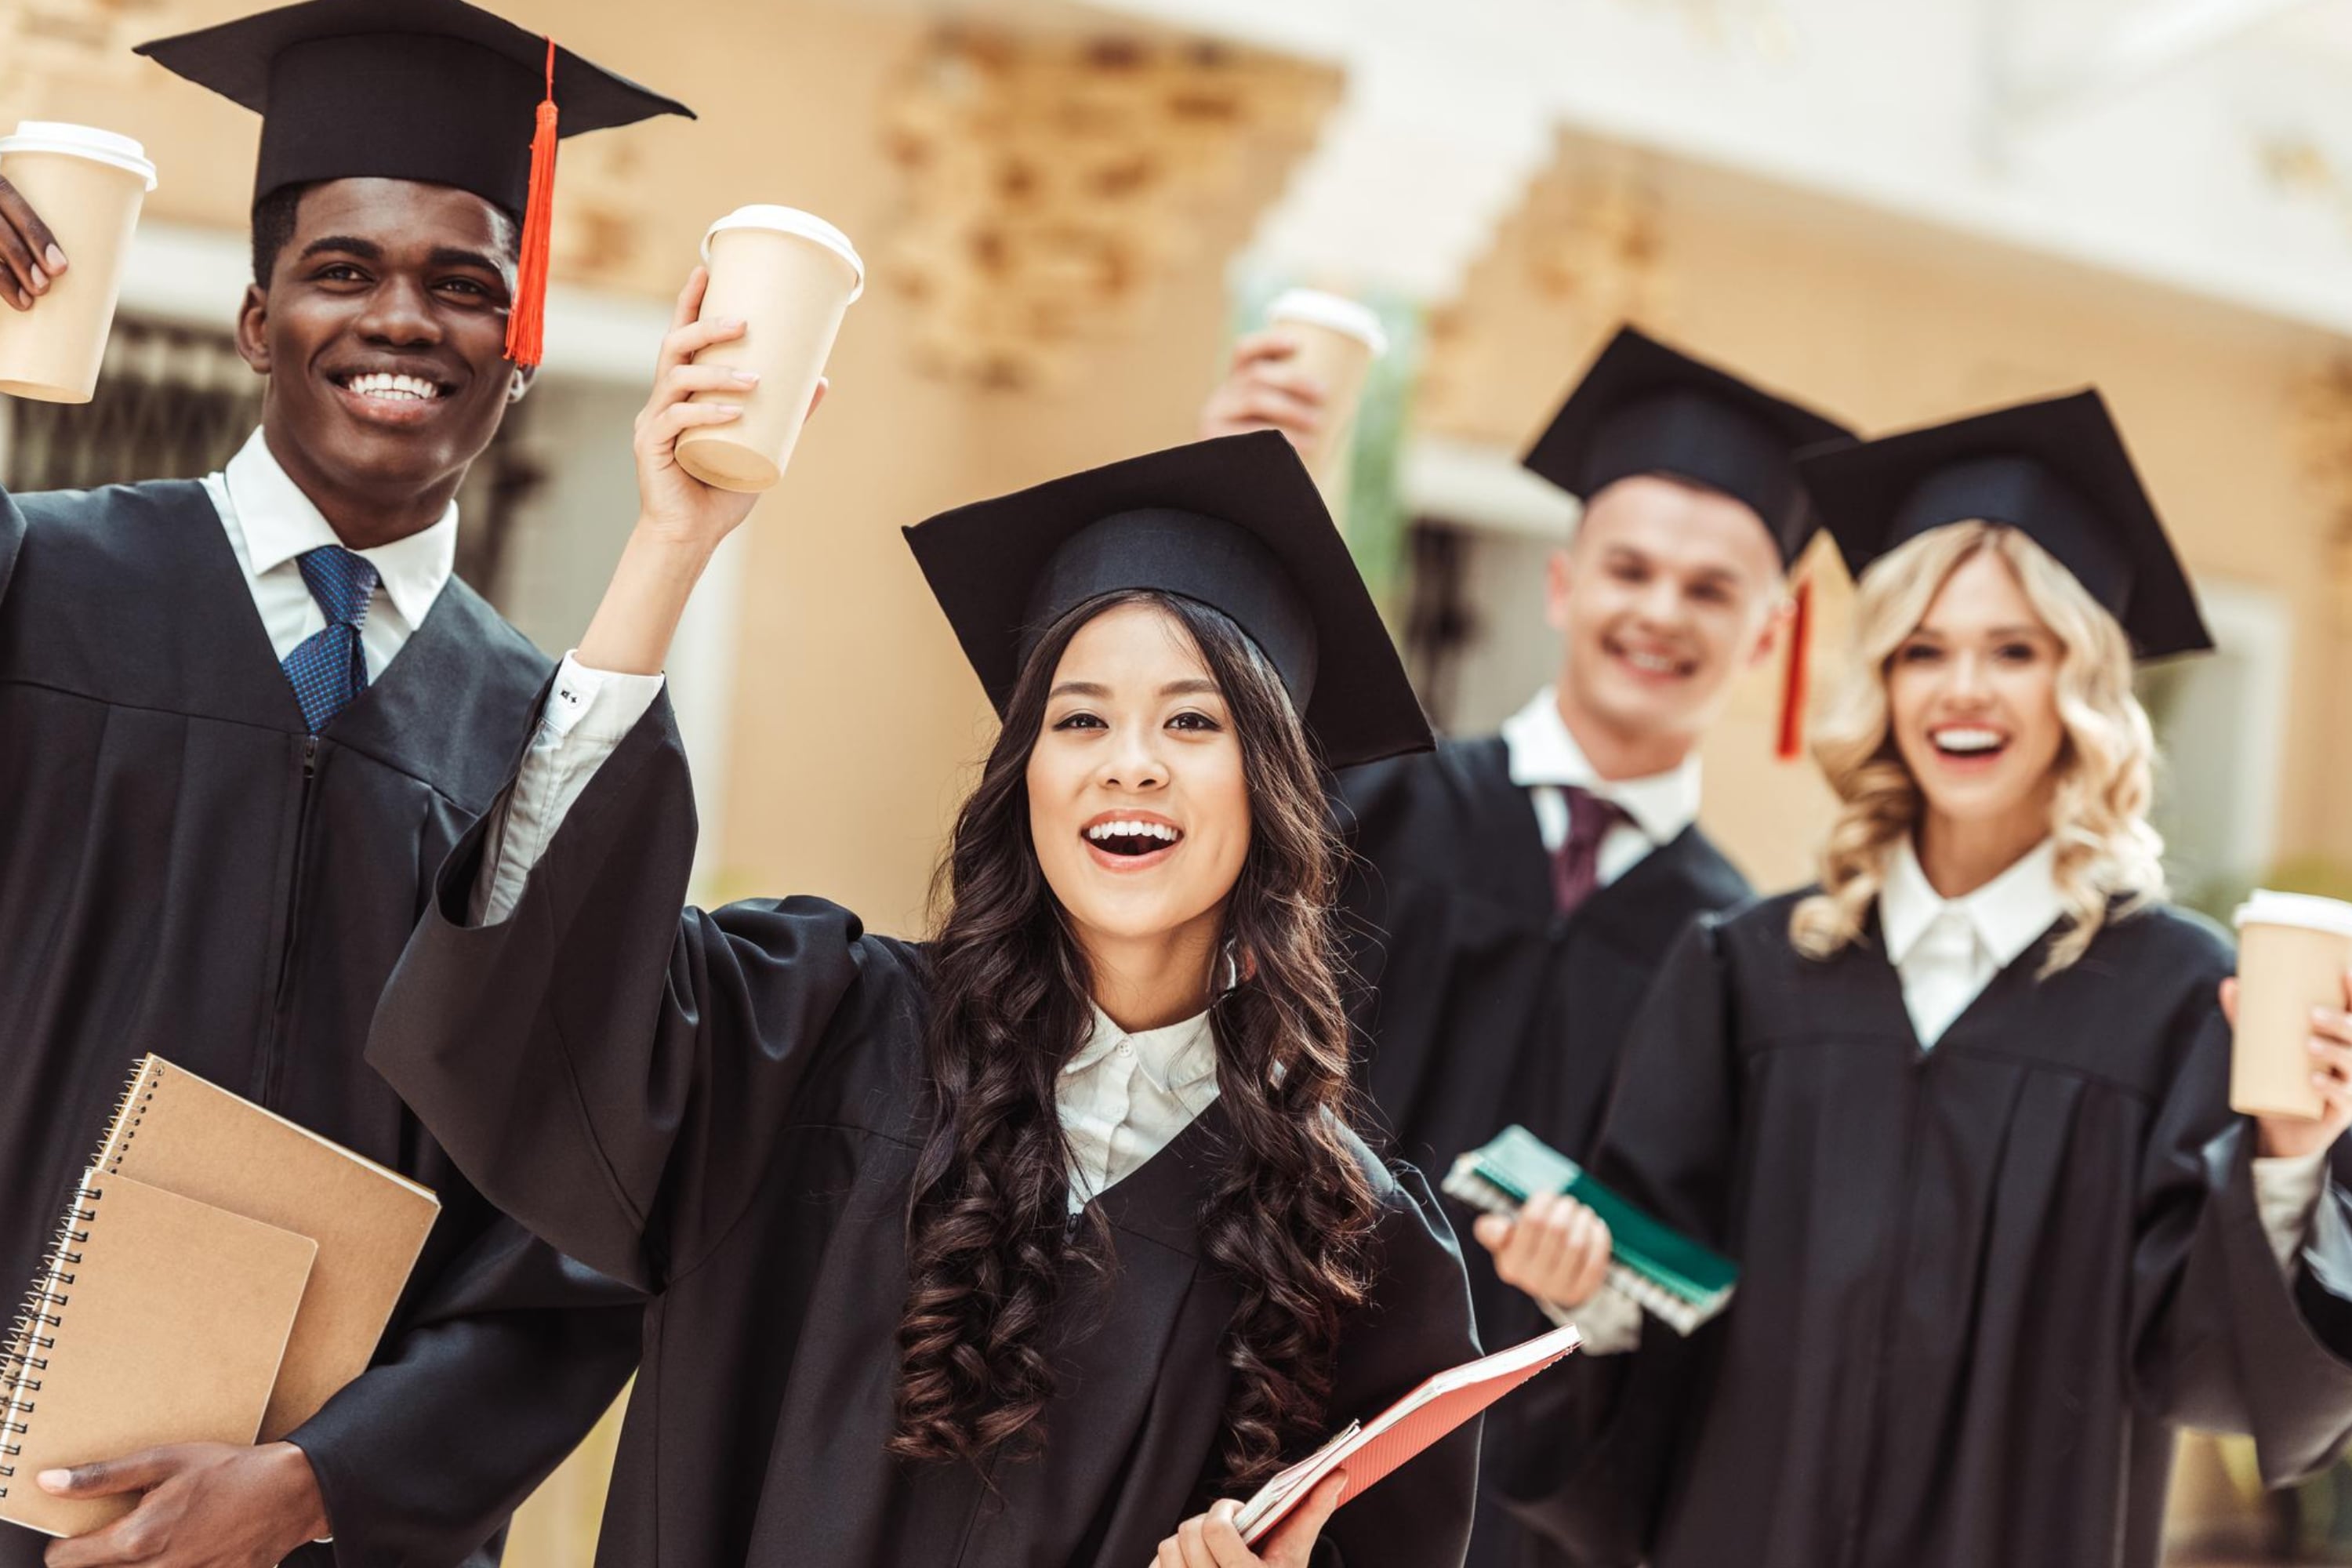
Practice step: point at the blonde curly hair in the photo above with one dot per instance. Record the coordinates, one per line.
(2098, 815)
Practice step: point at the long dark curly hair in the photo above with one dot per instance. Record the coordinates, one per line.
(1290, 1218)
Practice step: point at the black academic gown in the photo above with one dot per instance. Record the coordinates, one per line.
(184, 870)
(1981, 1285)
(726, 1110)
(1481, 1006)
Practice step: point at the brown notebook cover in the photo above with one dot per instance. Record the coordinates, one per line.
(160, 1319)
(176, 1131)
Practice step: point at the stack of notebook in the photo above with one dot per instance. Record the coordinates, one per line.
(221, 1274)
(1669, 1275)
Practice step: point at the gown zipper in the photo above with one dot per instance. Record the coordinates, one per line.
(271, 1052)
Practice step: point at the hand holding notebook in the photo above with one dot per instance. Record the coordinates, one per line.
(1674, 1277)
(221, 1274)
(1366, 1451)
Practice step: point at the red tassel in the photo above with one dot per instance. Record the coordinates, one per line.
(1793, 686)
(526, 320)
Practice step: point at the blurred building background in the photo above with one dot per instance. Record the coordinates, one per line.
(1901, 211)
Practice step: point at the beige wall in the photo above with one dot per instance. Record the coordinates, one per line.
(1891, 323)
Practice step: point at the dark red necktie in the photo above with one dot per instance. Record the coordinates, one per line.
(1576, 864)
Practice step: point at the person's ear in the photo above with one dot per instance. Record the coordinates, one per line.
(1778, 623)
(253, 329)
(520, 379)
(1560, 578)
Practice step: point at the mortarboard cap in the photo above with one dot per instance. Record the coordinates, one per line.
(2057, 472)
(1236, 523)
(432, 91)
(1645, 408)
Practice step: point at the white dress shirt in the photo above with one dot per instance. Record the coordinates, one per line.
(1545, 759)
(269, 522)
(1121, 1098)
(1945, 952)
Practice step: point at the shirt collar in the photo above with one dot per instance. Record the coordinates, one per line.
(2007, 914)
(1542, 752)
(279, 522)
(1175, 1058)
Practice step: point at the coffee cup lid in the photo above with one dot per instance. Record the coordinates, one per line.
(1340, 314)
(80, 141)
(792, 220)
(2306, 910)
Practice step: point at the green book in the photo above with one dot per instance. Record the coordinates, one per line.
(1672, 1276)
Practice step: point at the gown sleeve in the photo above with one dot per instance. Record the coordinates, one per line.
(1417, 1324)
(502, 1368)
(1588, 1461)
(611, 1073)
(2221, 1339)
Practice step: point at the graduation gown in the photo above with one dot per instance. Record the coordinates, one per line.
(1481, 1006)
(725, 1109)
(1981, 1284)
(184, 870)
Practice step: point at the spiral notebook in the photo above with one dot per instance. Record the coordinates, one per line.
(202, 1168)
(176, 1131)
(1371, 1450)
(159, 1319)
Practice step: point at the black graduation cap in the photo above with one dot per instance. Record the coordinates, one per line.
(2055, 470)
(1645, 408)
(1234, 523)
(432, 91)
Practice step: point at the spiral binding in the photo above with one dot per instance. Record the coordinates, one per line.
(22, 1362)
(44, 1309)
(129, 1110)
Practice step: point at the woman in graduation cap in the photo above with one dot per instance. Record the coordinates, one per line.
(1019, 1245)
(1960, 1111)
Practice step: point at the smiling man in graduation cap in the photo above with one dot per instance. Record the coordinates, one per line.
(241, 720)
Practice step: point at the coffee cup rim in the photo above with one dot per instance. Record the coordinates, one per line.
(109, 147)
(793, 221)
(2306, 912)
(1337, 311)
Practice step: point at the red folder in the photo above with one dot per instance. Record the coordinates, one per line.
(1369, 1450)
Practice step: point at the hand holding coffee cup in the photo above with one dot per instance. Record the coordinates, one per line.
(68, 189)
(2291, 1012)
(1267, 388)
(786, 277)
(674, 507)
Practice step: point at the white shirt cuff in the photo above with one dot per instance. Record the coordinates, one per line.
(587, 714)
(597, 704)
(2286, 1190)
(1611, 1323)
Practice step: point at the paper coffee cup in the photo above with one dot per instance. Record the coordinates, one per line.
(2292, 952)
(88, 186)
(1338, 342)
(787, 275)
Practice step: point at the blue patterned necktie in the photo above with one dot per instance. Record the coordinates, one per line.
(328, 669)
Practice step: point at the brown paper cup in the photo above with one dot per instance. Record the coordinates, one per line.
(788, 277)
(88, 186)
(2292, 952)
(1337, 341)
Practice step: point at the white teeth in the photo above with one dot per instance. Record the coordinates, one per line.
(1957, 739)
(1655, 663)
(394, 388)
(1158, 830)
